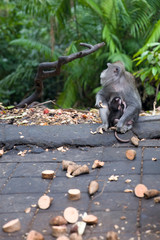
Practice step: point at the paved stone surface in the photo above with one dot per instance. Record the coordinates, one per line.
(21, 184)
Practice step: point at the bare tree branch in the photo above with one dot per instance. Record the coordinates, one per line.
(50, 69)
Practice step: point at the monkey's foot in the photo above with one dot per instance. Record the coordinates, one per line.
(124, 128)
(101, 128)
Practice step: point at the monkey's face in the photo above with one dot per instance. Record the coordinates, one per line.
(116, 104)
(111, 74)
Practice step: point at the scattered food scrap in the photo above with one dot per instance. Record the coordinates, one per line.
(90, 219)
(157, 199)
(48, 174)
(34, 235)
(81, 170)
(73, 169)
(66, 163)
(128, 190)
(128, 180)
(135, 141)
(44, 202)
(93, 187)
(27, 210)
(78, 227)
(58, 221)
(40, 115)
(12, 226)
(62, 149)
(59, 230)
(75, 236)
(33, 205)
(130, 154)
(151, 193)
(154, 159)
(99, 130)
(139, 190)
(74, 194)
(81, 227)
(63, 237)
(22, 153)
(113, 178)
(1, 152)
(111, 236)
(71, 214)
(97, 164)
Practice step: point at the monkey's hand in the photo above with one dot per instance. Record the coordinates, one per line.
(100, 105)
(102, 127)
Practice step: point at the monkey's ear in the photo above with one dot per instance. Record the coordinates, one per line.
(109, 64)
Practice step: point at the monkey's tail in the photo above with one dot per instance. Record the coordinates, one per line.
(119, 139)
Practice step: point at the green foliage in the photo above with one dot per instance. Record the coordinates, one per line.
(150, 68)
(34, 31)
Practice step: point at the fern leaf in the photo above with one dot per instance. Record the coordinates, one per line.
(153, 37)
(93, 6)
(31, 44)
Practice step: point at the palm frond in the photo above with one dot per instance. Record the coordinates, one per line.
(93, 5)
(153, 37)
(139, 14)
(61, 9)
(109, 9)
(155, 4)
(31, 44)
(110, 37)
(23, 71)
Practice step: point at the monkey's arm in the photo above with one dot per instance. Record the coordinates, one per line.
(104, 113)
(100, 100)
(102, 104)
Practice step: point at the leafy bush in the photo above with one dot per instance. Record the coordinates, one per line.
(149, 61)
(35, 31)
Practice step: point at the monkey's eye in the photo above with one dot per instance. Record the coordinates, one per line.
(116, 71)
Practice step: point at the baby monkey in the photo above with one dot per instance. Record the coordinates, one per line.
(116, 109)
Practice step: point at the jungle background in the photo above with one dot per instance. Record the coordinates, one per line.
(35, 31)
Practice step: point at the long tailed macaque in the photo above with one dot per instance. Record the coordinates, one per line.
(117, 82)
(116, 110)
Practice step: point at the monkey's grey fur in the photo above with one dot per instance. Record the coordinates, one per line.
(117, 82)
